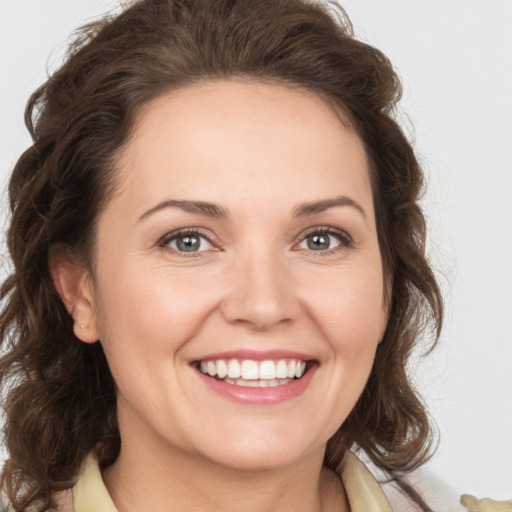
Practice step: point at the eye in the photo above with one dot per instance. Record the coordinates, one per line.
(187, 242)
(325, 239)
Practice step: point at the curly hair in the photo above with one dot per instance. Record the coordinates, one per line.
(60, 397)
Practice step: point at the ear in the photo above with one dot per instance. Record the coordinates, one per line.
(74, 286)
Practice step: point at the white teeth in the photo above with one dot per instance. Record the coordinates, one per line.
(222, 369)
(212, 369)
(300, 369)
(267, 370)
(281, 370)
(266, 373)
(291, 369)
(250, 370)
(234, 369)
(258, 383)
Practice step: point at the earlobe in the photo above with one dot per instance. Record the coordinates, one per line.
(84, 320)
(73, 284)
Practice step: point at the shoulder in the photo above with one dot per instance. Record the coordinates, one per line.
(440, 496)
(435, 492)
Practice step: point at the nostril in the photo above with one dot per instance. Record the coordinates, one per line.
(261, 297)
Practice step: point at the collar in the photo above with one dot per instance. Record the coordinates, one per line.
(363, 491)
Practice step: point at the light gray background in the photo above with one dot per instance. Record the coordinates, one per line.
(455, 58)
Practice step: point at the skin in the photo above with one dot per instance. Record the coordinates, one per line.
(258, 151)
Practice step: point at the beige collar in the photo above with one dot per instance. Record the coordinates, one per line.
(363, 491)
(89, 492)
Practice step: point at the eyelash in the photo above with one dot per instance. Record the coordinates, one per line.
(169, 237)
(346, 241)
(344, 238)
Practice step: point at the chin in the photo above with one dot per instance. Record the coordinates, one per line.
(262, 451)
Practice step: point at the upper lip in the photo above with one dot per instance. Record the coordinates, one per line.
(255, 355)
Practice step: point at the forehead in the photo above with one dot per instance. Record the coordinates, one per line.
(245, 138)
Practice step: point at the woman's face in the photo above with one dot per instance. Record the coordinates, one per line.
(241, 241)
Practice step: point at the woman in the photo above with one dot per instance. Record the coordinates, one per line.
(219, 269)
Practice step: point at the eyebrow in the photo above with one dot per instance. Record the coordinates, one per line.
(320, 206)
(197, 207)
(214, 211)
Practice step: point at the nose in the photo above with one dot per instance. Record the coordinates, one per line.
(262, 294)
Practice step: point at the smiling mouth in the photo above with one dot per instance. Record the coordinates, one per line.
(256, 374)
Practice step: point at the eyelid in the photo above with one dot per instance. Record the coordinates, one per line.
(346, 241)
(166, 239)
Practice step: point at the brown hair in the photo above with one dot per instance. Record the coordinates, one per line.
(60, 401)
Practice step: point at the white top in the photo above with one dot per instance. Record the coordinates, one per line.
(366, 489)
(364, 492)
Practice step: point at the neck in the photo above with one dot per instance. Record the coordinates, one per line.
(160, 478)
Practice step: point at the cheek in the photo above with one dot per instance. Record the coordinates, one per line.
(349, 306)
(350, 313)
(153, 308)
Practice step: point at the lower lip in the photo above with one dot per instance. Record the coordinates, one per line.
(259, 396)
